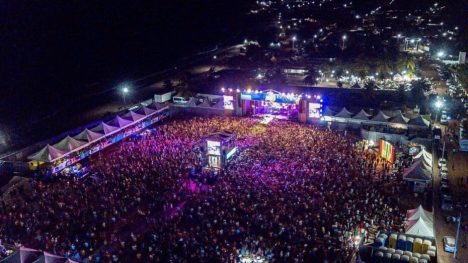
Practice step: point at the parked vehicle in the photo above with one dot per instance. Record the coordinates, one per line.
(447, 203)
(449, 244)
(442, 162)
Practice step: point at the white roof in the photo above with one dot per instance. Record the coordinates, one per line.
(68, 143)
(47, 154)
(104, 128)
(87, 135)
(419, 228)
(419, 212)
(381, 117)
(344, 113)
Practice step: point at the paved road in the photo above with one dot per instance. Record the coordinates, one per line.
(458, 167)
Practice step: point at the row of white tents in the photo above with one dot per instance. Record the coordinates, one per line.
(69, 144)
(28, 255)
(395, 117)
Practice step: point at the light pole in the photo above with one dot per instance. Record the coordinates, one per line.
(125, 90)
(440, 54)
(438, 104)
(343, 38)
(294, 38)
(456, 238)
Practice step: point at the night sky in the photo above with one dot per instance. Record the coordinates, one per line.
(58, 50)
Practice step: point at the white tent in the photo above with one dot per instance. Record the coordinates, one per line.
(68, 143)
(47, 154)
(399, 119)
(425, 156)
(119, 122)
(104, 128)
(419, 121)
(87, 135)
(419, 212)
(133, 116)
(344, 113)
(145, 110)
(419, 228)
(361, 115)
(380, 117)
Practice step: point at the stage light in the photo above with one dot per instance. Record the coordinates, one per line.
(318, 96)
(230, 90)
(238, 90)
(223, 89)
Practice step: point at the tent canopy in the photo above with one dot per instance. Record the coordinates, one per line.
(381, 117)
(419, 121)
(420, 228)
(361, 115)
(87, 135)
(104, 128)
(119, 122)
(416, 173)
(399, 118)
(419, 212)
(47, 154)
(131, 115)
(344, 113)
(68, 143)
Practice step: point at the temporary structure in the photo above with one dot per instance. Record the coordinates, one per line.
(416, 173)
(131, 115)
(344, 113)
(119, 122)
(399, 118)
(380, 117)
(420, 228)
(104, 128)
(47, 154)
(419, 121)
(419, 212)
(68, 143)
(88, 135)
(361, 115)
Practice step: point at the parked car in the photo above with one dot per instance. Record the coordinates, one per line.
(442, 162)
(449, 244)
(447, 203)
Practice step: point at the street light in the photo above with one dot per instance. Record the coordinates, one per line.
(344, 37)
(294, 38)
(125, 91)
(440, 54)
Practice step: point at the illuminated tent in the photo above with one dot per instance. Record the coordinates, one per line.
(328, 112)
(344, 113)
(50, 258)
(399, 118)
(380, 117)
(419, 121)
(119, 122)
(416, 173)
(419, 212)
(68, 144)
(419, 227)
(87, 135)
(47, 154)
(361, 115)
(356, 86)
(104, 128)
(133, 116)
(145, 110)
(425, 157)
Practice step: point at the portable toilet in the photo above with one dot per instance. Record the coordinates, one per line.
(399, 252)
(409, 244)
(396, 258)
(392, 242)
(422, 260)
(408, 253)
(378, 257)
(415, 254)
(426, 257)
(379, 242)
(401, 242)
(425, 246)
(417, 245)
(404, 258)
(432, 255)
(388, 257)
(414, 260)
(385, 238)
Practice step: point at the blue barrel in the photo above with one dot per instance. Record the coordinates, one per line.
(385, 238)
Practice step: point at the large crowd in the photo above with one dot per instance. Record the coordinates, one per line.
(293, 193)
